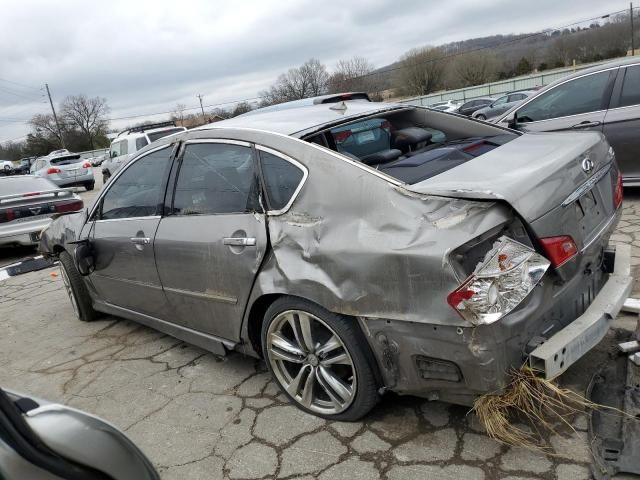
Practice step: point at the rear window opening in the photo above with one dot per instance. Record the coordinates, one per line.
(414, 144)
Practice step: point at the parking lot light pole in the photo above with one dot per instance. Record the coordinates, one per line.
(201, 107)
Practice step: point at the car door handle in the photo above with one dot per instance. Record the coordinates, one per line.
(140, 240)
(586, 124)
(240, 241)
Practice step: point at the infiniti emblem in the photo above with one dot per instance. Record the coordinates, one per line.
(587, 165)
(35, 210)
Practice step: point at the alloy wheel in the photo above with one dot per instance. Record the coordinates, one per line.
(311, 362)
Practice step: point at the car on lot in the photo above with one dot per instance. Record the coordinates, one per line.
(469, 107)
(6, 167)
(25, 165)
(27, 205)
(605, 98)
(129, 141)
(40, 440)
(448, 106)
(99, 159)
(501, 105)
(357, 255)
(65, 169)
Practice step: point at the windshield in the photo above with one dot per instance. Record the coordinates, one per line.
(153, 136)
(17, 185)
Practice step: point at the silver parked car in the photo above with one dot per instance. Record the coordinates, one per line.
(605, 98)
(64, 169)
(27, 205)
(40, 440)
(355, 254)
(501, 105)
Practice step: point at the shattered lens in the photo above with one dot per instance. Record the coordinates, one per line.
(499, 283)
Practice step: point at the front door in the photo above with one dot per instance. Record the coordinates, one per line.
(577, 105)
(622, 123)
(211, 244)
(126, 222)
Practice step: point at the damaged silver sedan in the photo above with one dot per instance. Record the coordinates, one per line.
(359, 248)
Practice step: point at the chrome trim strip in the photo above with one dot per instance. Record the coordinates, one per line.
(119, 172)
(305, 174)
(150, 217)
(203, 295)
(129, 282)
(586, 186)
(219, 140)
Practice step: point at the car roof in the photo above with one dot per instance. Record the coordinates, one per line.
(300, 120)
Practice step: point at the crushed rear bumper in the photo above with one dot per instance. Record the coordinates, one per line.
(568, 345)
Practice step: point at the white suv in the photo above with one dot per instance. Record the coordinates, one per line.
(129, 141)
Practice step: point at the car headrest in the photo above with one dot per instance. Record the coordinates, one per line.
(384, 156)
(406, 137)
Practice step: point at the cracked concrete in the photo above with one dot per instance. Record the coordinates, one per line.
(198, 416)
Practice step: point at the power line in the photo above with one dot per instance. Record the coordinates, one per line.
(27, 96)
(20, 84)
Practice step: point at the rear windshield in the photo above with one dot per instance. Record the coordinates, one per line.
(66, 160)
(156, 135)
(17, 185)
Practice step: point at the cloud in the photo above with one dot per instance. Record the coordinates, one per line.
(146, 56)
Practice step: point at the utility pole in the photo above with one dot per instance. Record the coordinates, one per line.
(55, 117)
(201, 107)
(633, 46)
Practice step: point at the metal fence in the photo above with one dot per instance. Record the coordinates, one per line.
(497, 88)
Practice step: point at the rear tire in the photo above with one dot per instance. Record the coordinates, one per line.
(318, 359)
(105, 178)
(76, 289)
(89, 186)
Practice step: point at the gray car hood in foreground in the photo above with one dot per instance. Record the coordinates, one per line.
(534, 173)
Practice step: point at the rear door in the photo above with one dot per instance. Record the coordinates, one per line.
(622, 123)
(211, 244)
(124, 227)
(578, 104)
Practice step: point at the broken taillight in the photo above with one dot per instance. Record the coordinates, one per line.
(559, 250)
(619, 192)
(499, 283)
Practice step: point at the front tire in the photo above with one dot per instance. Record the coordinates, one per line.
(318, 360)
(89, 186)
(105, 177)
(76, 289)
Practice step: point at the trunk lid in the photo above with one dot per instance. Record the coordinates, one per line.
(543, 178)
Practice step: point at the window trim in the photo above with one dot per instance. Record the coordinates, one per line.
(173, 178)
(533, 97)
(617, 91)
(98, 201)
(295, 163)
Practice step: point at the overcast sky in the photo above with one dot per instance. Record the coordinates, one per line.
(147, 56)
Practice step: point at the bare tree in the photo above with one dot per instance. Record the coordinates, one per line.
(421, 70)
(308, 80)
(240, 108)
(475, 68)
(353, 74)
(44, 125)
(178, 113)
(88, 115)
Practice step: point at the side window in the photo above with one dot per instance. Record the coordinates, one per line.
(124, 147)
(631, 87)
(500, 101)
(517, 97)
(216, 178)
(115, 149)
(582, 95)
(141, 142)
(139, 190)
(281, 179)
